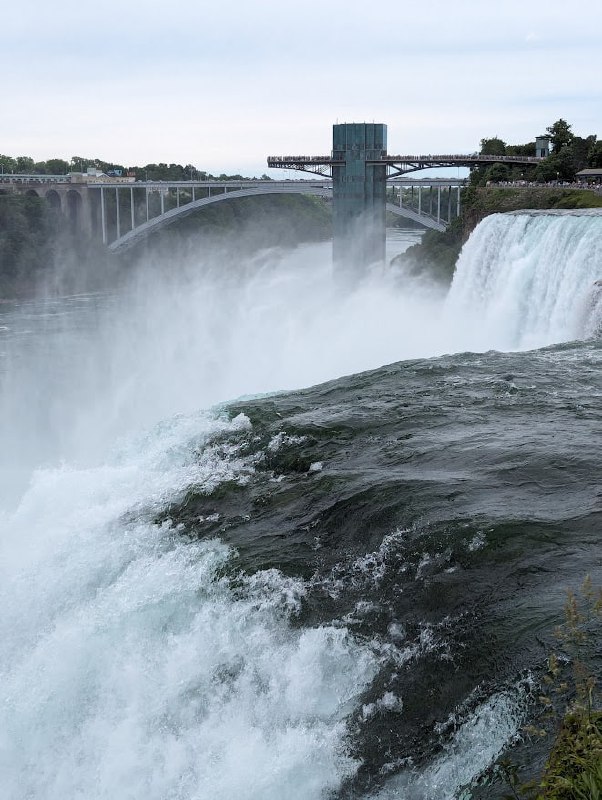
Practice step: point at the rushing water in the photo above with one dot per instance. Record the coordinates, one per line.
(335, 592)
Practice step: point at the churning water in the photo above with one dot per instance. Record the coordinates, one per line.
(332, 593)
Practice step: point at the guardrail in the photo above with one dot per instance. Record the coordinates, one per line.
(410, 159)
(11, 178)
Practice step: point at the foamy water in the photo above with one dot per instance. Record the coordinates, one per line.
(130, 666)
(527, 279)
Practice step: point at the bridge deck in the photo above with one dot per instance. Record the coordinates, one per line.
(398, 165)
(472, 158)
(63, 181)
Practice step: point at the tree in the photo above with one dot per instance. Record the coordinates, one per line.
(565, 163)
(497, 173)
(26, 241)
(107, 166)
(580, 150)
(493, 147)
(594, 157)
(559, 166)
(176, 172)
(81, 164)
(25, 165)
(521, 149)
(560, 134)
(7, 164)
(56, 166)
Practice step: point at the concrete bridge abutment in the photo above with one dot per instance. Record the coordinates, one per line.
(75, 203)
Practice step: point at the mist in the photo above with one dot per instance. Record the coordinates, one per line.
(186, 331)
(175, 337)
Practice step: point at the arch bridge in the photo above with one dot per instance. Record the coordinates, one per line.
(122, 213)
(129, 213)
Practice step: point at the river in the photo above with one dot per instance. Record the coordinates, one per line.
(268, 535)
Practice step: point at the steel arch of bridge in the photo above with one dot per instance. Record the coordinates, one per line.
(138, 232)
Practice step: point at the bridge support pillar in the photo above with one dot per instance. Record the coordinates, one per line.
(117, 213)
(103, 217)
(359, 194)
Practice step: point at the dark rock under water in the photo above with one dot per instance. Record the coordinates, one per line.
(439, 508)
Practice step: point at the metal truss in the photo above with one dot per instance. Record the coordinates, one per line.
(398, 165)
(315, 165)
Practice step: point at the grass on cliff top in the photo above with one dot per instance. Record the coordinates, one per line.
(501, 199)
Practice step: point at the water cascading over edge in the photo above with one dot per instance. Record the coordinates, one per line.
(528, 278)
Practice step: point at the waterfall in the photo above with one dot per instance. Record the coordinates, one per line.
(527, 279)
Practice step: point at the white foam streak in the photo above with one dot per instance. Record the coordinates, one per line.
(476, 743)
(131, 669)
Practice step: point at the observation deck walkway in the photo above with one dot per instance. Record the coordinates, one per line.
(398, 165)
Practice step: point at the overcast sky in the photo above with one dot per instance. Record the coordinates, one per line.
(223, 84)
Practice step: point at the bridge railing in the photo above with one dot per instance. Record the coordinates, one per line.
(307, 159)
(466, 157)
(411, 159)
(11, 178)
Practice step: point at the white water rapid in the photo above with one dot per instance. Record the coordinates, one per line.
(527, 279)
(130, 668)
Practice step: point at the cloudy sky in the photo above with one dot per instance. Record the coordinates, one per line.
(223, 84)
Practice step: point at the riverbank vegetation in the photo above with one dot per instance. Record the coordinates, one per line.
(435, 255)
(574, 767)
(567, 715)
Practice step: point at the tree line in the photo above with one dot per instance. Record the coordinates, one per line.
(569, 155)
(25, 165)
